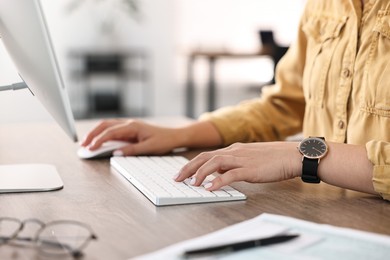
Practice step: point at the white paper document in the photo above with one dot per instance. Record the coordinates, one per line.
(315, 241)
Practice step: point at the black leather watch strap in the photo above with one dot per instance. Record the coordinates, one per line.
(309, 170)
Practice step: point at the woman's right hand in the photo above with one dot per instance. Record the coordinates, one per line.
(143, 138)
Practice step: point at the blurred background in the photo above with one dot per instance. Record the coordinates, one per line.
(134, 58)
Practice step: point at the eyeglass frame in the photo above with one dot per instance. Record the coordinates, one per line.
(75, 252)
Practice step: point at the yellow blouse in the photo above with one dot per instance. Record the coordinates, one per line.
(334, 82)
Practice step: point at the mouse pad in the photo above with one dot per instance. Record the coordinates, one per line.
(29, 178)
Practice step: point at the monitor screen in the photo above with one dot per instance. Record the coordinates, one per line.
(25, 34)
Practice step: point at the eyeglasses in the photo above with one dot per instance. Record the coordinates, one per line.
(62, 237)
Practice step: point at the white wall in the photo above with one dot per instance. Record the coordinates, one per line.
(169, 29)
(154, 32)
(16, 106)
(233, 23)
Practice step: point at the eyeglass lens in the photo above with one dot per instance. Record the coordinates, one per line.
(9, 228)
(63, 238)
(57, 237)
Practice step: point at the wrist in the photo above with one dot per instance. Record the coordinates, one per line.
(295, 161)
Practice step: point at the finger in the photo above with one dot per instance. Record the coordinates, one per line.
(234, 175)
(192, 166)
(218, 163)
(117, 132)
(204, 165)
(98, 130)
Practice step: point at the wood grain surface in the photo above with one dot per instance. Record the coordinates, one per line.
(128, 224)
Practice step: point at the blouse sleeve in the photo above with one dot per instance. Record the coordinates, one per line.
(378, 153)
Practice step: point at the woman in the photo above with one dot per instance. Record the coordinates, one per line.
(334, 82)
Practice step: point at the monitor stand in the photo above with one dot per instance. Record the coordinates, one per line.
(29, 178)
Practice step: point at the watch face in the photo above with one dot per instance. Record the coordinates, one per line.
(313, 148)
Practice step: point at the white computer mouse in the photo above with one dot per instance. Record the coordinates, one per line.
(104, 151)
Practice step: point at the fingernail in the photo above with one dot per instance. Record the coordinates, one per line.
(117, 153)
(208, 185)
(175, 176)
(193, 180)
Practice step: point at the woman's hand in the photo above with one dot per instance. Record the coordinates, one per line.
(146, 138)
(254, 162)
(143, 138)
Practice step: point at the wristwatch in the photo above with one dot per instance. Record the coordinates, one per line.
(312, 149)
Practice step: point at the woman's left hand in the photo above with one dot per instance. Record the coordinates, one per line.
(252, 162)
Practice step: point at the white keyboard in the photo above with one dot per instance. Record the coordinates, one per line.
(153, 176)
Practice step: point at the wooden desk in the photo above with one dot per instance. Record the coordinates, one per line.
(127, 224)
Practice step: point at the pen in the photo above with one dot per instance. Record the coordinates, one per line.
(233, 247)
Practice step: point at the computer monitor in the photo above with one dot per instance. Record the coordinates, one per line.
(25, 34)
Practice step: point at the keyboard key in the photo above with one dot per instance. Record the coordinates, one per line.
(152, 176)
